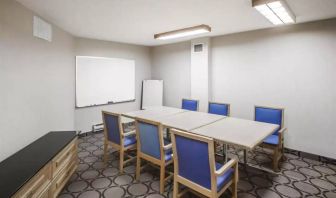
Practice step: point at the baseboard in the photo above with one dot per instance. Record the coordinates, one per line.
(287, 150)
(310, 156)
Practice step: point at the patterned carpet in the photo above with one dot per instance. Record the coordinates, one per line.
(300, 176)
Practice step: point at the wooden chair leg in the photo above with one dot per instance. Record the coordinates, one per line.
(283, 157)
(138, 167)
(235, 182)
(121, 161)
(105, 152)
(175, 189)
(276, 160)
(162, 178)
(245, 157)
(234, 190)
(215, 147)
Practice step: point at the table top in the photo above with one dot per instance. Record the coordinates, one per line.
(244, 133)
(189, 120)
(19, 168)
(126, 120)
(152, 113)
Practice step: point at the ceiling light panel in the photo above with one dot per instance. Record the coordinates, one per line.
(276, 11)
(183, 32)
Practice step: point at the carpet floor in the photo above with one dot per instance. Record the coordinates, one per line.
(300, 175)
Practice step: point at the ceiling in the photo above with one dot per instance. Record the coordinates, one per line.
(136, 21)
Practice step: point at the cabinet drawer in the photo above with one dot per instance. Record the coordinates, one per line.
(64, 175)
(45, 193)
(37, 185)
(64, 157)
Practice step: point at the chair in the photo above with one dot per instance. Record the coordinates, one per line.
(219, 108)
(191, 105)
(276, 140)
(116, 138)
(195, 167)
(153, 148)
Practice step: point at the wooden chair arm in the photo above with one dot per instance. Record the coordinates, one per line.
(129, 133)
(281, 134)
(167, 147)
(223, 169)
(282, 130)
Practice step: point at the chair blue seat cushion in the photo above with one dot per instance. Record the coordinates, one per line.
(225, 178)
(272, 139)
(129, 140)
(168, 155)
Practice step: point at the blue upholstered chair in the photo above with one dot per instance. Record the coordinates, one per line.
(191, 105)
(219, 108)
(153, 148)
(115, 137)
(276, 140)
(195, 166)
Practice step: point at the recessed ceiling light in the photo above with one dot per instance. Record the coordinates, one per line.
(276, 11)
(200, 29)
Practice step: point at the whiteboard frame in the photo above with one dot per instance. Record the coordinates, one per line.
(109, 103)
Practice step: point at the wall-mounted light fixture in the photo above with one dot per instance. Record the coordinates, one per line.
(276, 11)
(200, 29)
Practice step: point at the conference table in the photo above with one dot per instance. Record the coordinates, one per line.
(246, 134)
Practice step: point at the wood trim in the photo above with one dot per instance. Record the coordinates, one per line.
(226, 166)
(147, 121)
(193, 186)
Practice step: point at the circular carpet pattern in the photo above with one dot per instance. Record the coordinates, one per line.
(299, 176)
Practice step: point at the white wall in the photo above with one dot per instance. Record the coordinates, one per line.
(86, 117)
(37, 79)
(37, 83)
(199, 73)
(293, 67)
(171, 63)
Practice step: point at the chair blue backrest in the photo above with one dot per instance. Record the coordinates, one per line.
(191, 105)
(112, 127)
(269, 115)
(193, 160)
(219, 109)
(149, 139)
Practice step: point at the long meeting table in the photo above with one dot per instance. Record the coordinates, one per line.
(153, 113)
(246, 134)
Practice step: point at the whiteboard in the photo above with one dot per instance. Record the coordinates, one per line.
(152, 93)
(101, 80)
